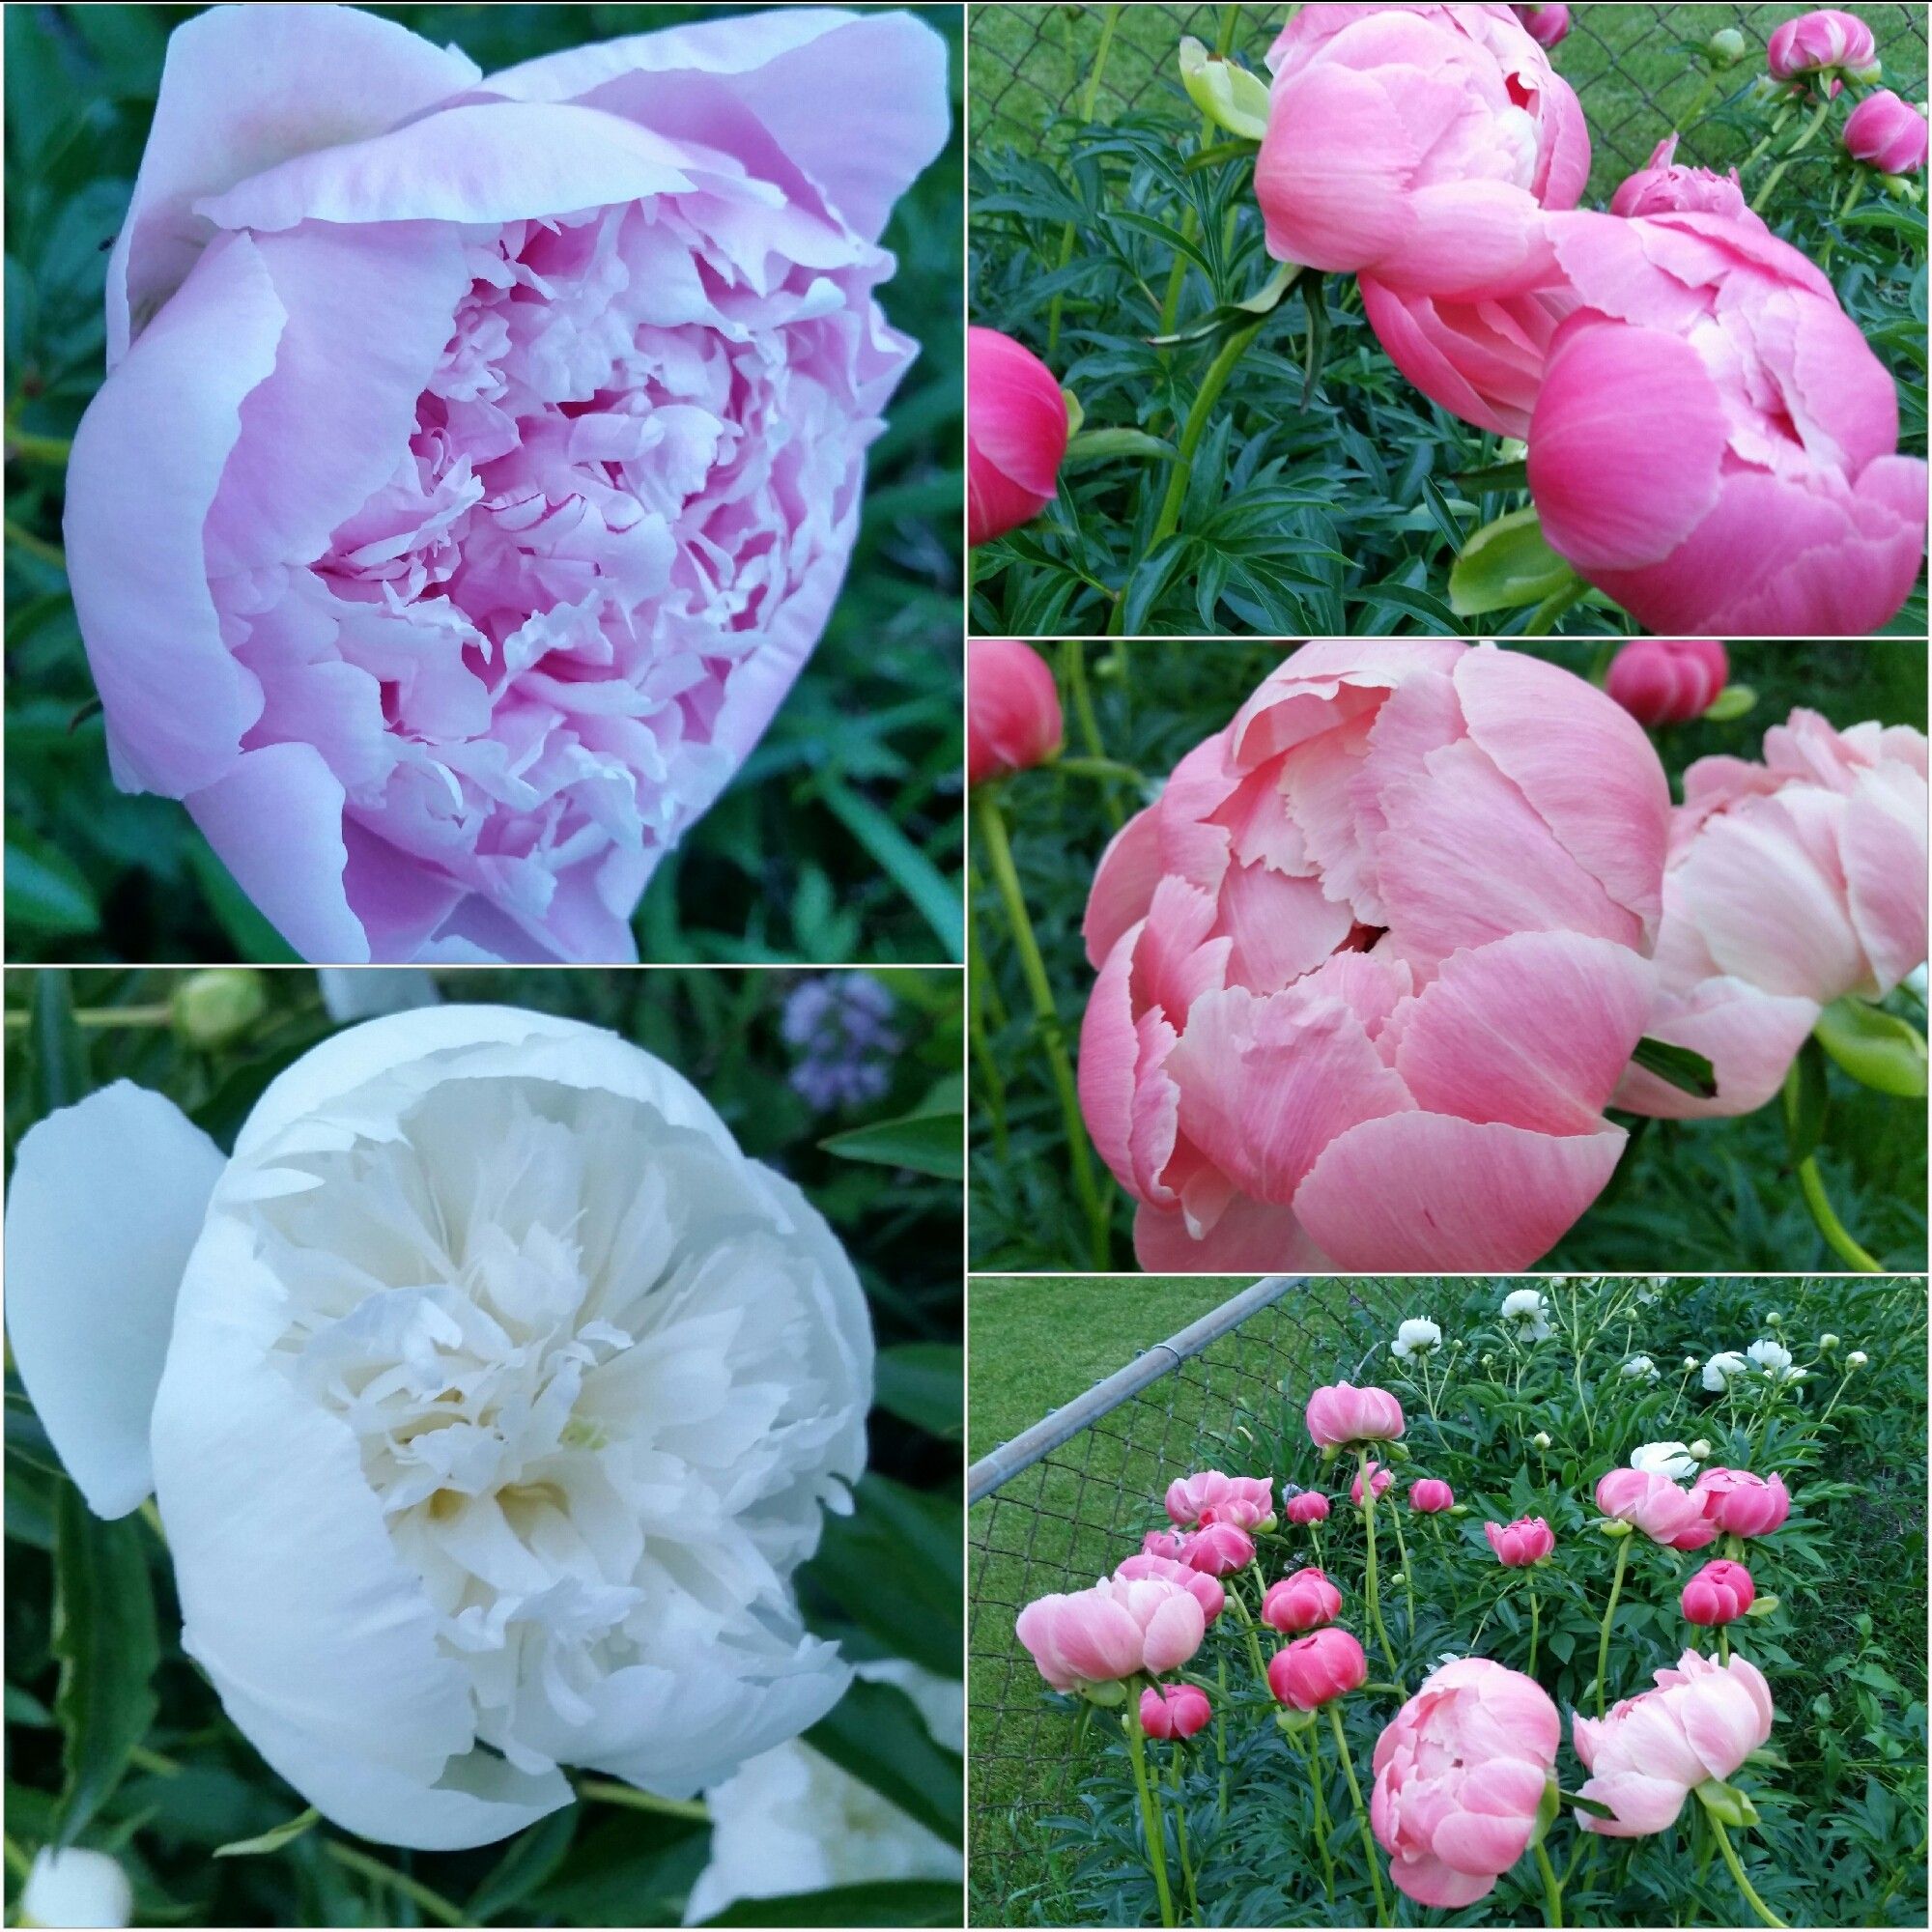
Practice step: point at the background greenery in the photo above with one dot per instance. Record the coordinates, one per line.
(841, 837)
(887, 1579)
(1687, 1195)
(1330, 510)
(1845, 1651)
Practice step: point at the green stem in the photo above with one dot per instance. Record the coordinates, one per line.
(1852, 195)
(1553, 606)
(1098, 768)
(1408, 1574)
(1239, 1603)
(1803, 142)
(1535, 1631)
(433, 1902)
(105, 1017)
(1090, 94)
(1765, 1914)
(1149, 1810)
(17, 1861)
(25, 540)
(31, 448)
(1195, 428)
(992, 833)
(1609, 1612)
(1180, 1830)
(609, 1792)
(1837, 1237)
(1723, 1645)
(1369, 1567)
(1689, 117)
(1221, 1733)
(1552, 1890)
(1321, 1832)
(1074, 674)
(1361, 1812)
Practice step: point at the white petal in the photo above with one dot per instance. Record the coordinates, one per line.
(108, 1199)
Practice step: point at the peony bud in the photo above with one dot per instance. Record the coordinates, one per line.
(1667, 680)
(1235, 100)
(1827, 1343)
(1887, 133)
(1012, 709)
(1700, 1450)
(1317, 1668)
(213, 1008)
(1726, 47)
(1017, 432)
(1171, 1711)
(1539, 1440)
(75, 1888)
(1857, 1359)
(1719, 1593)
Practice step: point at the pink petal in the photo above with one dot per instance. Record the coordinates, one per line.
(1281, 928)
(1109, 1052)
(1248, 1235)
(1750, 1037)
(1430, 1881)
(1883, 845)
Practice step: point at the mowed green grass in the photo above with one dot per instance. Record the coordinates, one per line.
(1025, 65)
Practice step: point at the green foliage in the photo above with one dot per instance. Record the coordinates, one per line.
(1843, 1801)
(1686, 1194)
(840, 838)
(114, 1734)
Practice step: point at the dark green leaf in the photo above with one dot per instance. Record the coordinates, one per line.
(272, 1841)
(904, 1901)
(926, 1143)
(526, 1867)
(46, 893)
(876, 1733)
(923, 1384)
(1807, 1101)
(895, 1568)
(1678, 1066)
(937, 898)
(60, 1052)
(1506, 564)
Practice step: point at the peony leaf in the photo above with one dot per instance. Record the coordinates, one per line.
(1507, 563)
(899, 1901)
(1688, 1072)
(1878, 1049)
(272, 1841)
(876, 1733)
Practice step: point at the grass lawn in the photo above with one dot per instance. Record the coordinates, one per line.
(1027, 63)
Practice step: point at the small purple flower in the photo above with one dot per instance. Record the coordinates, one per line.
(840, 1024)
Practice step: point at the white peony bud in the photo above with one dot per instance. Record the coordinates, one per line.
(75, 1888)
(1857, 1359)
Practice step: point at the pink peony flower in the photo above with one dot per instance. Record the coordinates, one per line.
(1887, 133)
(1012, 709)
(1656, 1506)
(1431, 1495)
(1661, 188)
(1371, 964)
(1016, 434)
(1300, 1601)
(1307, 1506)
(1823, 42)
(1170, 1545)
(1653, 1750)
(1379, 1480)
(1790, 884)
(1317, 1668)
(1461, 1771)
(1171, 1711)
(1341, 1414)
(1417, 144)
(1218, 1549)
(1785, 509)
(1719, 1593)
(1517, 1544)
(479, 457)
(1213, 1497)
(1545, 25)
(1113, 1630)
(1737, 1503)
(1668, 680)
(1205, 1590)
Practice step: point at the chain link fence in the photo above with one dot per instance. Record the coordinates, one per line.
(1029, 68)
(1061, 1504)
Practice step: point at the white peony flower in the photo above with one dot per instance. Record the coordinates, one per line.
(1722, 1368)
(1415, 1337)
(1527, 1314)
(1640, 1368)
(75, 1888)
(490, 1396)
(1674, 1460)
(793, 1821)
(1773, 1358)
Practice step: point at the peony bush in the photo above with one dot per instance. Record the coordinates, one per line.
(1628, 1705)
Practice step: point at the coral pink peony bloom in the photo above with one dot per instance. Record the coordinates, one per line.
(1218, 1548)
(1653, 1750)
(479, 457)
(1374, 961)
(1784, 508)
(1791, 883)
(1341, 1414)
(1012, 709)
(1300, 1601)
(1213, 1497)
(1461, 1771)
(1661, 188)
(1171, 1711)
(1545, 25)
(1379, 1480)
(1655, 1505)
(1015, 435)
(1719, 1593)
(1737, 1503)
(1517, 1544)
(1205, 1590)
(1113, 1630)
(1306, 1506)
(1431, 1495)
(1668, 680)
(1418, 144)
(1888, 134)
(1828, 39)
(1168, 1544)
(1317, 1668)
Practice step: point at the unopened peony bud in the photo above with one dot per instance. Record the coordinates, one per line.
(1726, 47)
(1857, 1359)
(1539, 1440)
(1699, 1451)
(75, 1888)
(1012, 709)
(1827, 1343)
(215, 1008)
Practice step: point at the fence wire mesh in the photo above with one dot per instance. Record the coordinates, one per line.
(1072, 1515)
(1030, 65)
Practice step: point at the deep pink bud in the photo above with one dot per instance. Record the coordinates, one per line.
(1174, 1710)
(1307, 1506)
(1519, 1544)
(1719, 1593)
(1820, 42)
(1203, 1589)
(1015, 435)
(1887, 133)
(1545, 25)
(1218, 1549)
(1378, 1481)
(1431, 1495)
(1313, 1670)
(1737, 1503)
(1668, 680)
(1341, 1414)
(1012, 709)
(1300, 1601)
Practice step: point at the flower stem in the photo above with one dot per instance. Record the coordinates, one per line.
(1723, 1645)
(1852, 195)
(1837, 1237)
(1096, 764)
(1180, 1830)
(1149, 1809)
(1553, 1888)
(1090, 94)
(992, 833)
(1803, 141)
(1369, 1568)
(53, 450)
(1535, 1631)
(1221, 1733)
(1239, 1603)
(1408, 1574)
(610, 1791)
(1322, 1832)
(1361, 1812)
(1610, 1613)
(1765, 1914)
(433, 1902)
